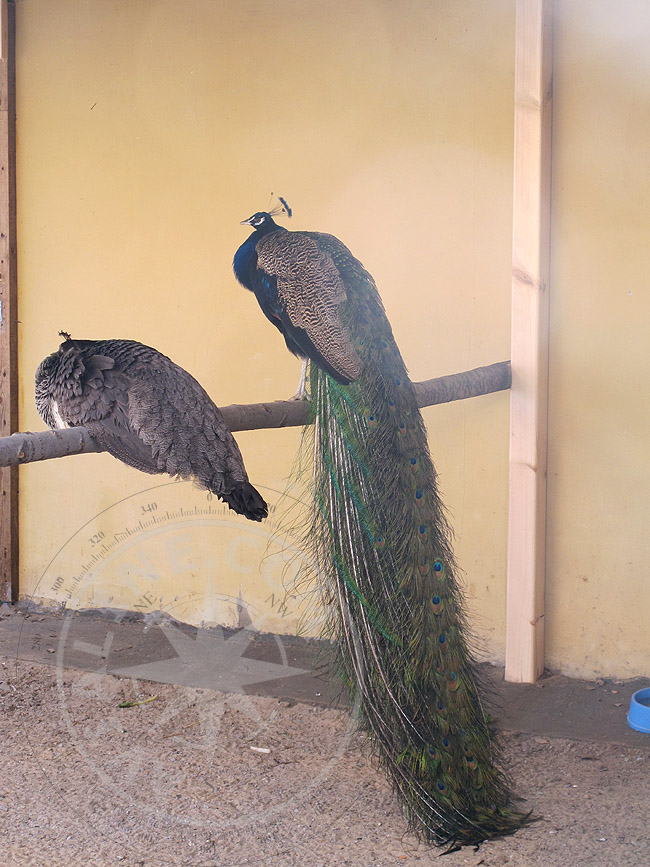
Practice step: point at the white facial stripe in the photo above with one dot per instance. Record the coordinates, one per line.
(57, 416)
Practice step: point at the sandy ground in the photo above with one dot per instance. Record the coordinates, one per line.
(201, 777)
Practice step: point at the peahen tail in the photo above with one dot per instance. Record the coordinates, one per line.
(383, 550)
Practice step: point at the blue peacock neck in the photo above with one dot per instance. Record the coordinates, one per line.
(245, 259)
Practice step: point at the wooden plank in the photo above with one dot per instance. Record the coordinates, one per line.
(4, 30)
(8, 319)
(529, 342)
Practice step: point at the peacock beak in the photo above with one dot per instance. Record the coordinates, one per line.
(247, 222)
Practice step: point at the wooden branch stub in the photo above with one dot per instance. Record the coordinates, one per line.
(23, 448)
(460, 386)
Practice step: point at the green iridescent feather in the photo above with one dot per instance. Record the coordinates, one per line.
(383, 549)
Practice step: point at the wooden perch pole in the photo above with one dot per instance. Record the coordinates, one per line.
(529, 345)
(23, 448)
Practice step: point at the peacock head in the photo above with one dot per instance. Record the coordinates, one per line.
(261, 221)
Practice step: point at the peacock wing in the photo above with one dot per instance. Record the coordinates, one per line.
(310, 291)
(350, 269)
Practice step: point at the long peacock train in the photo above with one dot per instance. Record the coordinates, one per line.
(381, 541)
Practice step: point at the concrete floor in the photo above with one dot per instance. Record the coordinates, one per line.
(162, 650)
(149, 743)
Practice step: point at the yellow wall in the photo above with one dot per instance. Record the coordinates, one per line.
(598, 592)
(147, 130)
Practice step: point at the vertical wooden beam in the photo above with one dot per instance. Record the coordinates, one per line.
(529, 344)
(8, 318)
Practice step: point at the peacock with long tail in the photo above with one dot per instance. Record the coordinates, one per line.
(146, 411)
(381, 540)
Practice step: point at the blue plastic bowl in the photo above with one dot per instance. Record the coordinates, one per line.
(639, 716)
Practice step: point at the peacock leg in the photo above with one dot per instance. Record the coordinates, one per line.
(301, 394)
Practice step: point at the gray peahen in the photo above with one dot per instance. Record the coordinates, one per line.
(146, 411)
(381, 541)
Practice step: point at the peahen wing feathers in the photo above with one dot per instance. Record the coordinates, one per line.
(148, 412)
